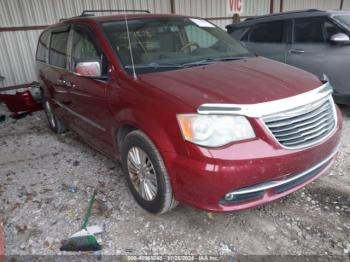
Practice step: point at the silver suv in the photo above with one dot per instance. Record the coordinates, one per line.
(313, 40)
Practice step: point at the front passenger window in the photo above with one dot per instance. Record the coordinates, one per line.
(84, 49)
(314, 30)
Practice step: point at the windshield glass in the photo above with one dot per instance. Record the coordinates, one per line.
(343, 19)
(169, 44)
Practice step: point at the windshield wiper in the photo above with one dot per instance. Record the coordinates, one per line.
(215, 60)
(154, 65)
(230, 58)
(200, 62)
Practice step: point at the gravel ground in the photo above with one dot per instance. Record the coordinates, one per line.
(37, 169)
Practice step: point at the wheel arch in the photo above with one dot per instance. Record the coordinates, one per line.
(130, 119)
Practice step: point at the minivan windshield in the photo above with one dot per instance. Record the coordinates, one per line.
(171, 43)
(343, 19)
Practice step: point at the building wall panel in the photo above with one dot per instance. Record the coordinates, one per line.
(256, 7)
(309, 4)
(46, 12)
(17, 56)
(346, 5)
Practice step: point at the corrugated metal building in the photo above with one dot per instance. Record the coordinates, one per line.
(21, 22)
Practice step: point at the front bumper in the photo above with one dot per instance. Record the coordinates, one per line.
(261, 169)
(278, 186)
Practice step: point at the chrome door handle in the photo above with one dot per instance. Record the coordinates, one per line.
(70, 84)
(61, 81)
(296, 51)
(66, 83)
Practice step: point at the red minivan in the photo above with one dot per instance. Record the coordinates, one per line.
(190, 113)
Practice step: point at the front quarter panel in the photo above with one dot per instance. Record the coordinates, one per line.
(148, 109)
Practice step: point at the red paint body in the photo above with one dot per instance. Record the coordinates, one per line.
(199, 176)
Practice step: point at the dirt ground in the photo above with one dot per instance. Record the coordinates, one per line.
(38, 171)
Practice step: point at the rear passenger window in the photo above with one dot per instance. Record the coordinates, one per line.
(43, 47)
(58, 48)
(267, 33)
(314, 30)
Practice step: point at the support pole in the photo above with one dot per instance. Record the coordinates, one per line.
(341, 4)
(172, 6)
(271, 6)
(281, 5)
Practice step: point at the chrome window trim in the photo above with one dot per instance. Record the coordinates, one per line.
(66, 70)
(87, 120)
(275, 183)
(267, 108)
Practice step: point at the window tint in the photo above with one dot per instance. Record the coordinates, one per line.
(84, 49)
(43, 47)
(239, 33)
(267, 33)
(58, 48)
(199, 36)
(343, 19)
(314, 30)
(331, 29)
(245, 36)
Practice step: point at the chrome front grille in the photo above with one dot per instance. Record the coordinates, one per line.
(303, 126)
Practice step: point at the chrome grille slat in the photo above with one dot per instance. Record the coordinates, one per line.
(297, 128)
(304, 128)
(283, 129)
(298, 111)
(307, 138)
(299, 118)
(304, 134)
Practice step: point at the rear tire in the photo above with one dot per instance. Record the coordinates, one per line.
(54, 123)
(146, 174)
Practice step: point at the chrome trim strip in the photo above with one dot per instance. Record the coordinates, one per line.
(79, 116)
(267, 108)
(284, 118)
(276, 183)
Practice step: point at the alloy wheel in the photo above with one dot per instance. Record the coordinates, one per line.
(50, 115)
(142, 173)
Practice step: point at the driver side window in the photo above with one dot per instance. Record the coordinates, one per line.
(198, 35)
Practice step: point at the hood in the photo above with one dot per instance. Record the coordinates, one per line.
(248, 81)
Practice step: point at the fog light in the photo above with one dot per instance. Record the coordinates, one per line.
(229, 196)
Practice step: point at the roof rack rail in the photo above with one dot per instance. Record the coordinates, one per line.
(89, 12)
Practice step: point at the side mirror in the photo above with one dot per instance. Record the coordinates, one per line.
(340, 38)
(89, 69)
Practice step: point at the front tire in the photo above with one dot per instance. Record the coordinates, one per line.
(54, 123)
(146, 174)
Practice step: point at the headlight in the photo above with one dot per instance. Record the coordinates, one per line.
(214, 130)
